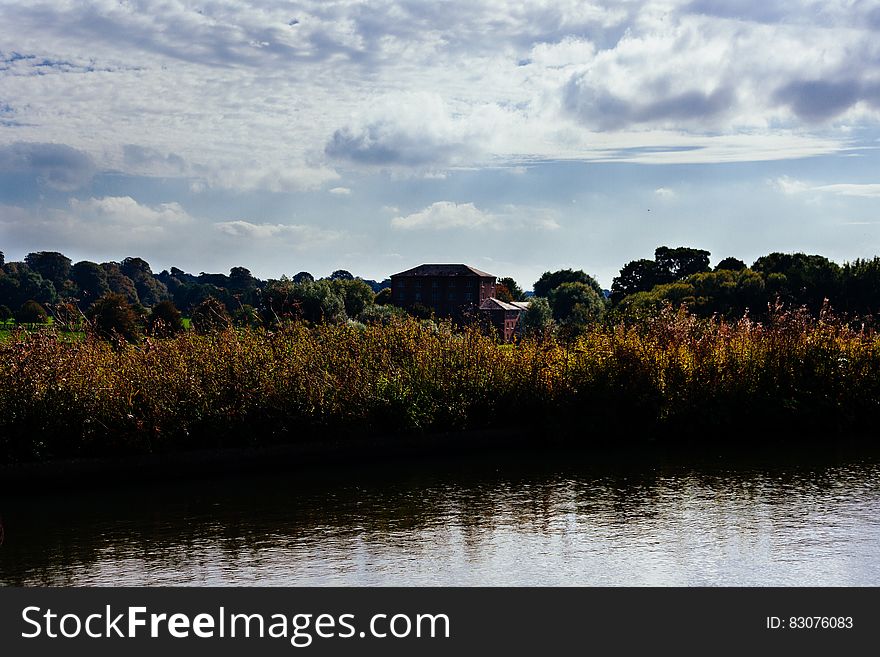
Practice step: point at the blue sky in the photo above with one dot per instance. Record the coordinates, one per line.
(515, 137)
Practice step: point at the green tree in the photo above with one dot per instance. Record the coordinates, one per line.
(164, 320)
(112, 317)
(730, 264)
(51, 265)
(356, 295)
(150, 290)
(341, 275)
(5, 313)
(303, 277)
(549, 281)
(565, 298)
(91, 279)
(383, 297)
(538, 319)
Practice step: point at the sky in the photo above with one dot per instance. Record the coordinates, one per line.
(517, 137)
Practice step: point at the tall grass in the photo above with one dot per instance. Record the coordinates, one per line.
(670, 376)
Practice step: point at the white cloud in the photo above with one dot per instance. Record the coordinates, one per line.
(664, 193)
(444, 215)
(299, 235)
(788, 185)
(792, 186)
(124, 210)
(865, 190)
(340, 191)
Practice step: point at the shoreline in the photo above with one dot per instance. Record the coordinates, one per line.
(408, 450)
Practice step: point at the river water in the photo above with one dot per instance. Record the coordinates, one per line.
(781, 518)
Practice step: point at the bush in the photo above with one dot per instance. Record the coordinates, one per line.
(210, 316)
(5, 313)
(31, 313)
(164, 320)
(112, 317)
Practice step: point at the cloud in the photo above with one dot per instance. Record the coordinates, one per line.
(792, 186)
(149, 160)
(444, 215)
(411, 130)
(54, 165)
(125, 211)
(816, 101)
(299, 235)
(664, 193)
(789, 185)
(340, 191)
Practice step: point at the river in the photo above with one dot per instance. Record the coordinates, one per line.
(787, 517)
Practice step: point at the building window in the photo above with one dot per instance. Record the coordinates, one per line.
(468, 296)
(452, 296)
(401, 284)
(418, 296)
(400, 294)
(418, 283)
(435, 283)
(435, 296)
(451, 282)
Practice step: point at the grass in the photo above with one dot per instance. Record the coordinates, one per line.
(665, 378)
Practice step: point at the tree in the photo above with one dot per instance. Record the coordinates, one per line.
(730, 264)
(635, 276)
(356, 295)
(149, 289)
(164, 320)
(119, 283)
(241, 280)
(341, 275)
(538, 319)
(383, 297)
(19, 283)
(91, 279)
(676, 264)
(804, 280)
(502, 293)
(31, 312)
(549, 281)
(303, 277)
(5, 313)
(112, 317)
(210, 316)
(669, 265)
(516, 292)
(566, 298)
(51, 265)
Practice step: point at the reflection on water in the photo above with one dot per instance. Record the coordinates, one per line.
(575, 521)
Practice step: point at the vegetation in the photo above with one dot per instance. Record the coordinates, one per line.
(671, 376)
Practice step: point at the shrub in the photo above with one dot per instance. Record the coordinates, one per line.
(164, 320)
(112, 317)
(210, 316)
(31, 313)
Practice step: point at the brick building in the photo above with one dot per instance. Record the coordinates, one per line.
(454, 291)
(448, 290)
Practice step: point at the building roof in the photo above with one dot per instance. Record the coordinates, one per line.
(444, 270)
(522, 305)
(497, 304)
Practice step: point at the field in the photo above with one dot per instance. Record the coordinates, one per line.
(672, 377)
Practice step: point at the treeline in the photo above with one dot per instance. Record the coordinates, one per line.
(130, 296)
(569, 300)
